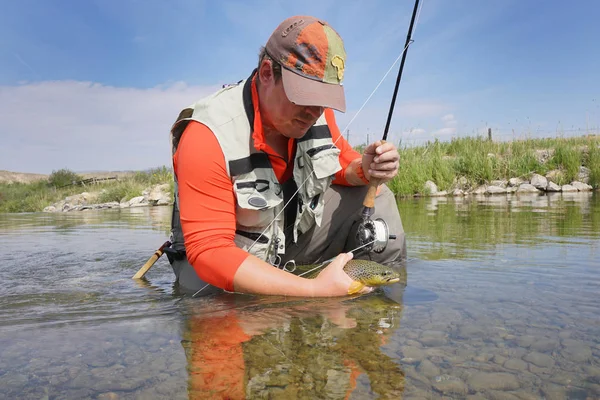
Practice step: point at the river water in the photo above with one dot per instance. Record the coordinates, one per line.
(502, 301)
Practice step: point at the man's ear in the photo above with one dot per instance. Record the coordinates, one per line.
(265, 72)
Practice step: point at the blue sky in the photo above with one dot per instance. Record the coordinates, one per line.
(95, 85)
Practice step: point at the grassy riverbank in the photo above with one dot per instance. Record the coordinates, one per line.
(481, 161)
(34, 196)
(477, 160)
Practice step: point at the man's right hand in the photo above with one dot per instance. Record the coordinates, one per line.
(333, 280)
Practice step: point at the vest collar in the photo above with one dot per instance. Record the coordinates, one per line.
(251, 106)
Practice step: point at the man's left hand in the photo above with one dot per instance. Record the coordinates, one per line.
(380, 160)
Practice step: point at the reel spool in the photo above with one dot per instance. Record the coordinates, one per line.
(375, 232)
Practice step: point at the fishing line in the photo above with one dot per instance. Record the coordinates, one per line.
(331, 259)
(344, 130)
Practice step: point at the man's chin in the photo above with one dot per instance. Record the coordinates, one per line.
(296, 133)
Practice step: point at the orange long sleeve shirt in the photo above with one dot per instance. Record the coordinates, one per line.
(207, 200)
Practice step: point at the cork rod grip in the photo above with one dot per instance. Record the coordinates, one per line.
(372, 191)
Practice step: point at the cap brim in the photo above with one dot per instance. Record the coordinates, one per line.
(309, 92)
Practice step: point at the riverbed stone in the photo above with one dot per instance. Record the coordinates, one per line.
(553, 392)
(575, 350)
(413, 352)
(516, 364)
(433, 338)
(493, 381)
(593, 372)
(545, 345)
(539, 359)
(452, 387)
(498, 359)
(526, 340)
(428, 369)
(498, 395)
(108, 396)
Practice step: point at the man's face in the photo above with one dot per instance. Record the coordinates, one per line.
(277, 112)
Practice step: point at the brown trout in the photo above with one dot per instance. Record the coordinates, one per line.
(363, 273)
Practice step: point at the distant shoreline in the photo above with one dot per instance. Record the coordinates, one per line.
(461, 167)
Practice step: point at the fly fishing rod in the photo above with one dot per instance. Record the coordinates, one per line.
(369, 202)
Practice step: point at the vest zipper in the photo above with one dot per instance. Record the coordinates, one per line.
(257, 237)
(315, 150)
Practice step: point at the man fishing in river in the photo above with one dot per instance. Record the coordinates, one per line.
(264, 176)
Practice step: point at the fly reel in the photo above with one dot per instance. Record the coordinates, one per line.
(369, 235)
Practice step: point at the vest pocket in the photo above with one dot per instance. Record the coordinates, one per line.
(256, 200)
(324, 162)
(310, 215)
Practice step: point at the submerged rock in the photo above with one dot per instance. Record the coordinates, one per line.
(493, 381)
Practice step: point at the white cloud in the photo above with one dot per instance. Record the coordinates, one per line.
(449, 128)
(89, 126)
(445, 131)
(417, 131)
(449, 119)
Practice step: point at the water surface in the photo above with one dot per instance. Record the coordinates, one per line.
(501, 302)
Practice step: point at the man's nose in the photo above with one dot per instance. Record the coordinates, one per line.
(314, 111)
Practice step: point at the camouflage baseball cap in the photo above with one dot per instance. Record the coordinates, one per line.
(313, 58)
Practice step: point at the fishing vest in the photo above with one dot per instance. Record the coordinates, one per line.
(229, 114)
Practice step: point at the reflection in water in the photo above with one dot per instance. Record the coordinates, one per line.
(292, 349)
(470, 227)
(154, 218)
